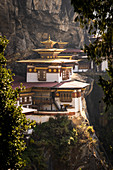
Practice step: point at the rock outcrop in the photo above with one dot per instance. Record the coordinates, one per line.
(26, 23)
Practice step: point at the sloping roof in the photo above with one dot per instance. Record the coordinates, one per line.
(49, 41)
(72, 85)
(35, 84)
(71, 50)
(48, 50)
(47, 61)
(51, 85)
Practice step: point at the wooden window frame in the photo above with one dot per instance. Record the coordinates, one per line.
(66, 97)
(41, 75)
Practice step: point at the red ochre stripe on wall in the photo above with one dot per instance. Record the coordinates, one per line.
(50, 114)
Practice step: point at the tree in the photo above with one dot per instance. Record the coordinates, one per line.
(51, 144)
(60, 144)
(97, 17)
(12, 122)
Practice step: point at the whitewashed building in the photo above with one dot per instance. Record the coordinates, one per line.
(49, 87)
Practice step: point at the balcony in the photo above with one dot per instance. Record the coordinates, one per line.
(42, 100)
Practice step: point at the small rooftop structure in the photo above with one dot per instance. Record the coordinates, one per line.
(49, 43)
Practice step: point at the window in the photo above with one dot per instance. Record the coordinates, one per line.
(30, 99)
(65, 97)
(20, 99)
(25, 99)
(41, 75)
(42, 97)
(65, 74)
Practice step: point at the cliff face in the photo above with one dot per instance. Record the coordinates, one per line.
(26, 23)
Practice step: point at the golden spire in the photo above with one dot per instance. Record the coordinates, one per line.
(49, 37)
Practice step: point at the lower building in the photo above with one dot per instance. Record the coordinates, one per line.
(52, 98)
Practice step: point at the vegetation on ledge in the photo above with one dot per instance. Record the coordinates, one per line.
(60, 144)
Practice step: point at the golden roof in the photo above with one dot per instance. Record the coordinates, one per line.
(47, 61)
(73, 84)
(48, 50)
(49, 41)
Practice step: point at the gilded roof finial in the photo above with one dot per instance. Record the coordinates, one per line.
(49, 37)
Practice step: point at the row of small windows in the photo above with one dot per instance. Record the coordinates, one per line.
(25, 99)
(65, 74)
(65, 97)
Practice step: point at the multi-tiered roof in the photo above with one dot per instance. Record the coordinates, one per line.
(50, 87)
(49, 67)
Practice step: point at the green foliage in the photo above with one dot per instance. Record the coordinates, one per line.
(51, 143)
(12, 122)
(58, 144)
(97, 17)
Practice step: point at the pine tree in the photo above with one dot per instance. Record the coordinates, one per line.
(12, 122)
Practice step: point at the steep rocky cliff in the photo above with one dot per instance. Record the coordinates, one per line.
(27, 22)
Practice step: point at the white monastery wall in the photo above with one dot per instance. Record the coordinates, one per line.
(38, 119)
(104, 65)
(76, 68)
(80, 104)
(60, 78)
(75, 104)
(57, 100)
(32, 77)
(52, 77)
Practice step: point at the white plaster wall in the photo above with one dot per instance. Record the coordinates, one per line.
(91, 64)
(104, 65)
(80, 104)
(75, 104)
(60, 78)
(76, 68)
(57, 100)
(52, 77)
(38, 119)
(32, 77)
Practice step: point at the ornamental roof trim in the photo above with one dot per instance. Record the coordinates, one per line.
(47, 61)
